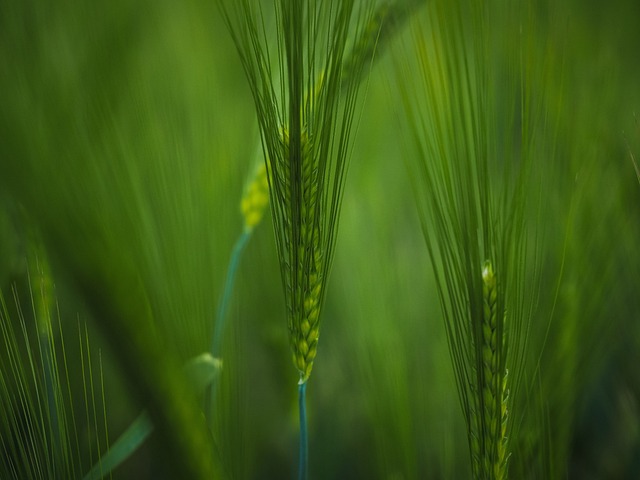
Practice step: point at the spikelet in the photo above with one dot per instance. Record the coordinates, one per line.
(494, 380)
(255, 198)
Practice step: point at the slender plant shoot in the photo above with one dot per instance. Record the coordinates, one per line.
(473, 122)
(294, 55)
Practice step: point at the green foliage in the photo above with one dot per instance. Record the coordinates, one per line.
(53, 423)
(127, 133)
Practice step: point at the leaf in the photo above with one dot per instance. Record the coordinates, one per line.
(123, 448)
(200, 371)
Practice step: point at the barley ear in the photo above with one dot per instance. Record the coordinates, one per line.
(467, 96)
(304, 287)
(494, 377)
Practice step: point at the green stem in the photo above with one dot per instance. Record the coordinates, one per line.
(221, 314)
(304, 446)
(238, 248)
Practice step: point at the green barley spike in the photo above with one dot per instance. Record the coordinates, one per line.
(305, 92)
(303, 320)
(305, 88)
(473, 181)
(305, 111)
(494, 377)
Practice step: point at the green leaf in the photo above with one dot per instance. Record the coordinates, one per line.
(123, 448)
(200, 371)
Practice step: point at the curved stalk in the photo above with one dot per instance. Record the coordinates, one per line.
(221, 315)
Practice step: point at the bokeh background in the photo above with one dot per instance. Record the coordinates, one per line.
(127, 136)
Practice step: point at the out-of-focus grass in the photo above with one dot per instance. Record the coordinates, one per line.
(126, 133)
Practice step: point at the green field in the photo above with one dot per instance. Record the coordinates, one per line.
(432, 206)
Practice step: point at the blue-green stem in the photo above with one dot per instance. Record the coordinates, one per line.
(304, 445)
(142, 427)
(221, 315)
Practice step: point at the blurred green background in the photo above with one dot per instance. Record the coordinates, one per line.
(127, 135)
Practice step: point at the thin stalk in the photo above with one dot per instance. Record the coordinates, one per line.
(252, 205)
(221, 315)
(138, 432)
(304, 445)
